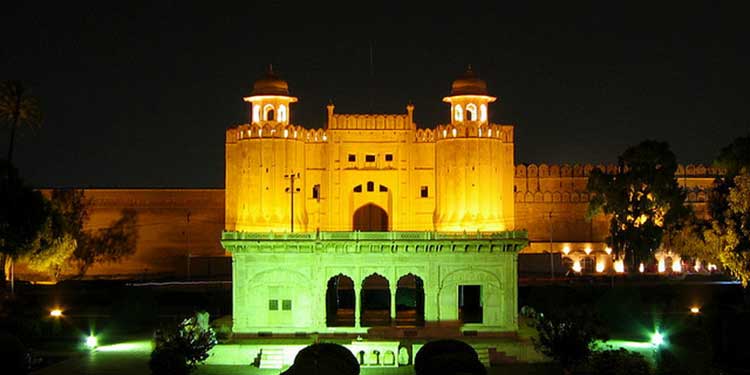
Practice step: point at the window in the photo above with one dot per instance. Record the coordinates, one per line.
(383, 189)
(316, 191)
(273, 304)
(424, 192)
(370, 158)
(388, 157)
(286, 305)
(282, 113)
(370, 186)
(458, 113)
(268, 112)
(358, 189)
(256, 113)
(352, 158)
(483, 114)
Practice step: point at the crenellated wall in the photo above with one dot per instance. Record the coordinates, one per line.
(551, 203)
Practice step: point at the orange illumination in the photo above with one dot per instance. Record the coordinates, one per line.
(587, 250)
(258, 98)
(600, 266)
(641, 268)
(577, 266)
(55, 313)
(566, 249)
(481, 98)
(677, 266)
(608, 250)
(619, 266)
(695, 310)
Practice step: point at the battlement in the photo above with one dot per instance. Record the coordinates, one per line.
(578, 170)
(474, 129)
(275, 130)
(370, 122)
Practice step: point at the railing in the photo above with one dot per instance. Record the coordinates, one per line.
(374, 236)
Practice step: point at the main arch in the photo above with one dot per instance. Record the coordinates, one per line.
(370, 218)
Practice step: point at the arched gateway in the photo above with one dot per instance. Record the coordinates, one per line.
(370, 218)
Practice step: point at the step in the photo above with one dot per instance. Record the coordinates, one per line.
(271, 358)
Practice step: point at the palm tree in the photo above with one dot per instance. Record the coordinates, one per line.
(17, 108)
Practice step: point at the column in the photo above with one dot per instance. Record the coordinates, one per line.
(392, 290)
(357, 303)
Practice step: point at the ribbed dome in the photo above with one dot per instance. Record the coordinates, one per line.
(270, 84)
(469, 84)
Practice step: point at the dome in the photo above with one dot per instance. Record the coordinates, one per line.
(469, 84)
(270, 84)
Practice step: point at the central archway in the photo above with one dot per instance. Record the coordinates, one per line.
(370, 218)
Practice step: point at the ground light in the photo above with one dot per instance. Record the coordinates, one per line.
(657, 339)
(55, 313)
(695, 310)
(91, 342)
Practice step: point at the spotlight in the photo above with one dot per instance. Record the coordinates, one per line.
(657, 339)
(695, 310)
(91, 342)
(55, 313)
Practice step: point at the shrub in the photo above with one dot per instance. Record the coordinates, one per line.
(615, 362)
(179, 351)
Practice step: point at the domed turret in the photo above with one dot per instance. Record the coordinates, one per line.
(469, 99)
(270, 84)
(270, 99)
(469, 84)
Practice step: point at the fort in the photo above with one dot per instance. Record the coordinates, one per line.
(371, 221)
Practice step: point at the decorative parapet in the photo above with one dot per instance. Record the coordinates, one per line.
(277, 130)
(578, 170)
(474, 129)
(370, 122)
(407, 242)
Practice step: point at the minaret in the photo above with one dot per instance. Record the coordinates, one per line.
(473, 163)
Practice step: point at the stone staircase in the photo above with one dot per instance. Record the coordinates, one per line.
(483, 351)
(271, 358)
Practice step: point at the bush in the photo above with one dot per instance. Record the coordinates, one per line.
(615, 362)
(178, 351)
(566, 336)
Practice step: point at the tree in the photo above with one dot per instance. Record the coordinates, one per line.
(109, 244)
(17, 108)
(566, 336)
(643, 198)
(615, 362)
(180, 350)
(724, 238)
(24, 215)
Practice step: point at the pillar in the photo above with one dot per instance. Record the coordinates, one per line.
(392, 290)
(357, 303)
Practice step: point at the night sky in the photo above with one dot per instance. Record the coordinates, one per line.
(140, 95)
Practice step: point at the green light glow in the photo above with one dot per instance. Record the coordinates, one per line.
(91, 342)
(657, 339)
(131, 346)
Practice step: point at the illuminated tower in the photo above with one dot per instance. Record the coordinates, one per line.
(261, 159)
(474, 163)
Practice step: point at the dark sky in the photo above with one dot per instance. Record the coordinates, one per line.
(140, 95)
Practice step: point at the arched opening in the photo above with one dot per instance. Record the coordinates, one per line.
(269, 115)
(458, 113)
(471, 112)
(589, 264)
(410, 301)
(282, 113)
(370, 218)
(483, 114)
(376, 302)
(340, 302)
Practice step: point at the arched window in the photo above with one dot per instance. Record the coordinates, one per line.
(282, 113)
(483, 113)
(268, 113)
(458, 113)
(256, 113)
(370, 186)
(471, 112)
